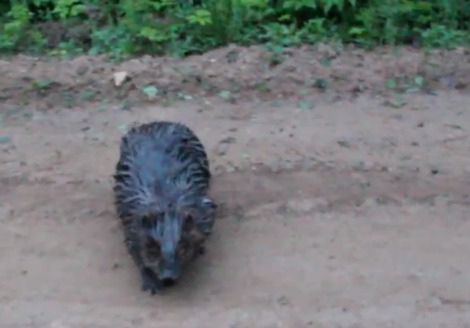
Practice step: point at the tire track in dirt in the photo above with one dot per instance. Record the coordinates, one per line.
(238, 191)
(339, 187)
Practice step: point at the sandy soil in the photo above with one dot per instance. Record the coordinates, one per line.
(340, 214)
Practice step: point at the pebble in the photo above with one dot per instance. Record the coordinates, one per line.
(57, 324)
(344, 143)
(221, 148)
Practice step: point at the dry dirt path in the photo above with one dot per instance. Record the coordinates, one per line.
(351, 214)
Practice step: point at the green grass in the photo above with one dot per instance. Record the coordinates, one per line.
(122, 28)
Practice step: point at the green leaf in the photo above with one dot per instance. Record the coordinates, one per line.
(356, 31)
(321, 84)
(225, 94)
(5, 139)
(325, 62)
(391, 84)
(122, 127)
(183, 96)
(201, 17)
(151, 91)
(306, 105)
(42, 84)
(419, 81)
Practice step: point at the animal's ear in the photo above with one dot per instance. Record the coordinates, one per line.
(188, 216)
(152, 243)
(188, 221)
(208, 203)
(146, 221)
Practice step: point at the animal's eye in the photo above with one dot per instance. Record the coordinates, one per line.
(150, 219)
(146, 222)
(152, 243)
(153, 247)
(188, 222)
(183, 247)
(182, 244)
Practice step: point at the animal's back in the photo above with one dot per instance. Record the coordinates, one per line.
(155, 153)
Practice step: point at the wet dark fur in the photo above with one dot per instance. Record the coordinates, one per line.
(161, 182)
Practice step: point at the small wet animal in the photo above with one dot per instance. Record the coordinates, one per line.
(161, 183)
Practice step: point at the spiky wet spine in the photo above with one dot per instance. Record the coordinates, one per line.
(136, 186)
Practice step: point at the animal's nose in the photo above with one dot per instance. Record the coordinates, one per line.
(169, 272)
(168, 282)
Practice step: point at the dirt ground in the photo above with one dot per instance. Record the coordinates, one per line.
(338, 208)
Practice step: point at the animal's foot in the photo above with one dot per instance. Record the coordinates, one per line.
(149, 282)
(202, 250)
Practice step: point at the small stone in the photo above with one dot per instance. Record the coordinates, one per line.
(434, 171)
(119, 78)
(81, 70)
(57, 324)
(382, 200)
(385, 169)
(221, 149)
(344, 144)
(228, 140)
(283, 301)
(231, 168)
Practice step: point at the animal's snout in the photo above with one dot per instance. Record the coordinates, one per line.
(169, 272)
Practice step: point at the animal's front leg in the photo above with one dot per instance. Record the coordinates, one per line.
(149, 281)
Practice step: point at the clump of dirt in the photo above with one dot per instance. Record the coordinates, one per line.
(234, 73)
